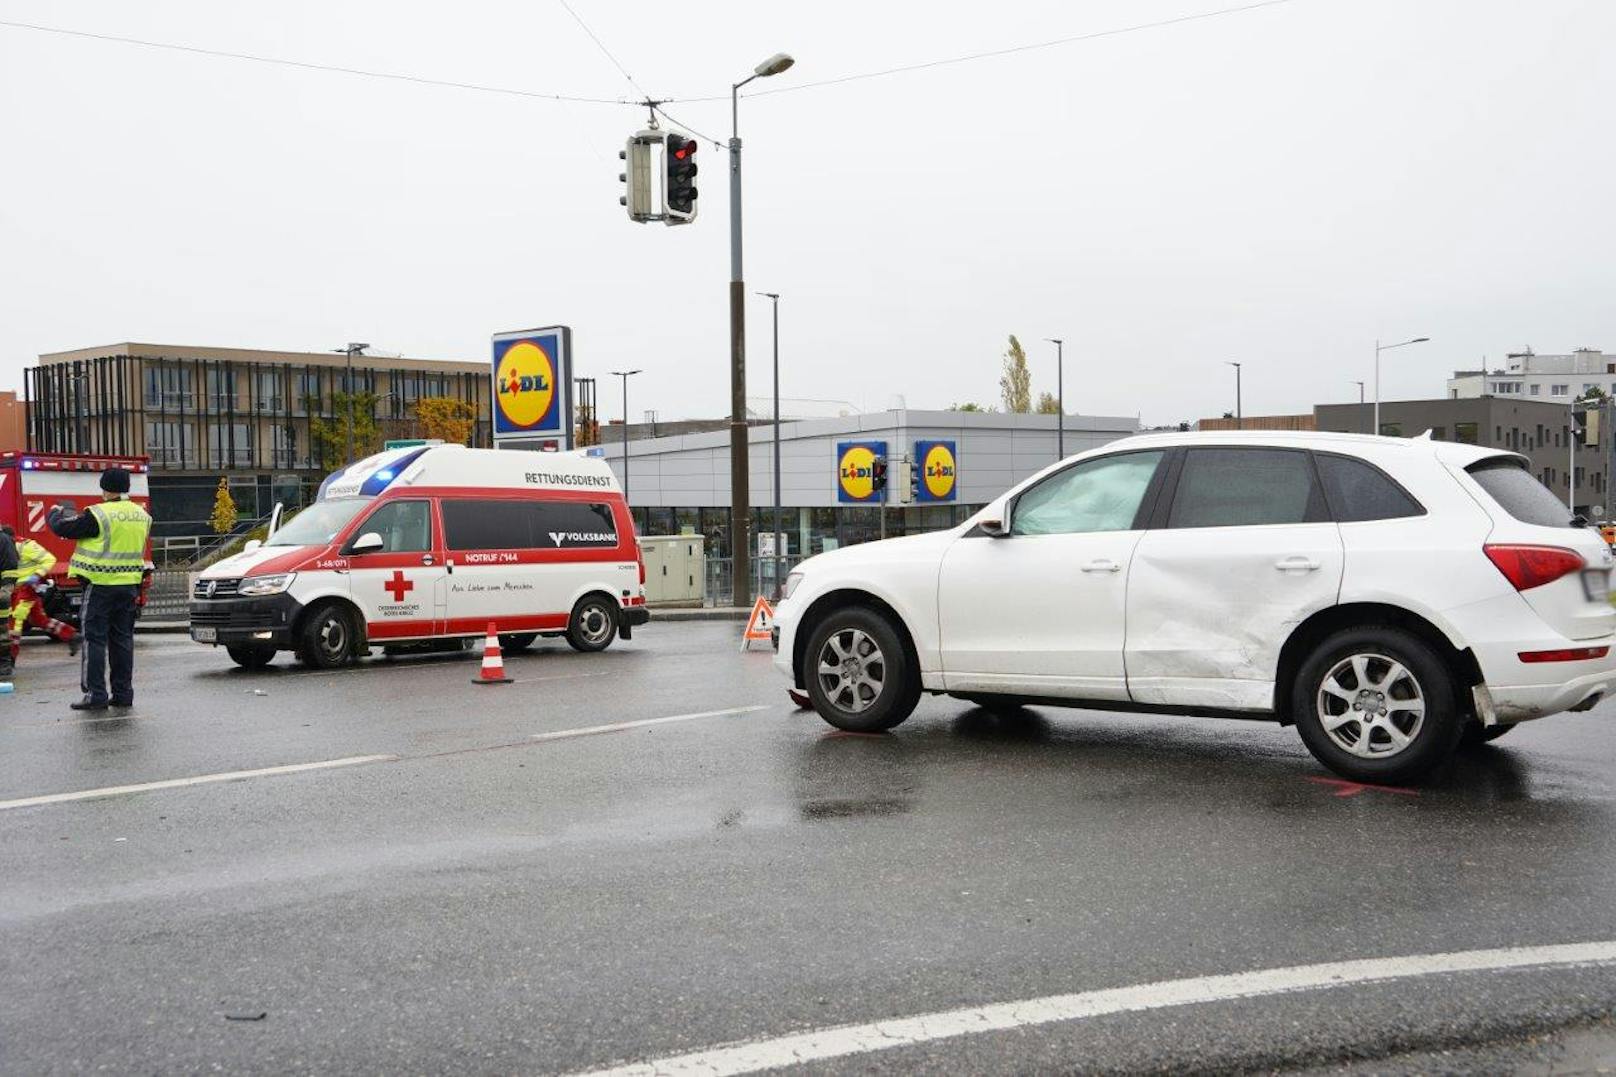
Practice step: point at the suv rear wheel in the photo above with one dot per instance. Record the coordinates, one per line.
(858, 674)
(1376, 705)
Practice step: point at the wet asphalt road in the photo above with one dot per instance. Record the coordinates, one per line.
(491, 902)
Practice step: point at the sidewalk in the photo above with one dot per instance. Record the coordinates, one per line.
(152, 626)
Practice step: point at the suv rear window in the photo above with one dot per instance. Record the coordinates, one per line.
(1360, 491)
(1246, 487)
(1509, 483)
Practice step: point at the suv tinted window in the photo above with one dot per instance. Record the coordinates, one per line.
(1360, 491)
(1245, 487)
(1096, 495)
(405, 526)
(527, 525)
(1519, 494)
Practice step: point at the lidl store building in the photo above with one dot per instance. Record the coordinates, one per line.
(681, 485)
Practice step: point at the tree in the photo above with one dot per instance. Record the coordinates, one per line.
(1047, 404)
(443, 418)
(588, 428)
(223, 520)
(330, 436)
(1596, 393)
(968, 406)
(1015, 384)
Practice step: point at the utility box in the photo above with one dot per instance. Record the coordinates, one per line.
(674, 569)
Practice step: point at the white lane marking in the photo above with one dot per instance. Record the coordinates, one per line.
(201, 779)
(840, 1042)
(589, 731)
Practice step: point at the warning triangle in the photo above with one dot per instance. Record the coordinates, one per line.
(759, 623)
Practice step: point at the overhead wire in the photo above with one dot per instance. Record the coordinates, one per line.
(309, 66)
(601, 45)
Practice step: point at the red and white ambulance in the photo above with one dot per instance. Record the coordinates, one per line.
(434, 543)
(30, 483)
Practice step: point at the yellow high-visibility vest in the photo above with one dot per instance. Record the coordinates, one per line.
(118, 554)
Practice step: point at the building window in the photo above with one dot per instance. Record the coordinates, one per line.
(168, 386)
(1537, 389)
(267, 388)
(284, 442)
(168, 444)
(230, 445)
(1467, 433)
(221, 388)
(1388, 430)
(1559, 390)
(1439, 433)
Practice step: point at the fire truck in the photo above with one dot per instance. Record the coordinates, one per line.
(30, 483)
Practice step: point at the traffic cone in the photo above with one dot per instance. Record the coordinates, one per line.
(493, 671)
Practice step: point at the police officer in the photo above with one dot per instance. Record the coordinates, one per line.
(111, 559)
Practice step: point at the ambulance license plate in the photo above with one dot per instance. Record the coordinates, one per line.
(205, 635)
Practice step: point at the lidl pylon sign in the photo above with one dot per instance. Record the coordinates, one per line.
(532, 386)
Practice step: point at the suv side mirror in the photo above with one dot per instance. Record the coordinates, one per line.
(369, 542)
(995, 521)
(250, 545)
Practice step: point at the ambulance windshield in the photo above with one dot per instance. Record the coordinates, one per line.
(318, 524)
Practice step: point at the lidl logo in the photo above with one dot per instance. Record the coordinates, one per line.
(524, 384)
(855, 469)
(939, 470)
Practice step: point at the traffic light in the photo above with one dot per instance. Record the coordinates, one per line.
(914, 467)
(679, 180)
(1579, 426)
(636, 157)
(878, 474)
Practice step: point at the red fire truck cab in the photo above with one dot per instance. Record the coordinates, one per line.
(30, 483)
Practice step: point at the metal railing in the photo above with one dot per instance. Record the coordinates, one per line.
(719, 583)
(168, 598)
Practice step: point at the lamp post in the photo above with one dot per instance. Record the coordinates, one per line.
(625, 375)
(1060, 397)
(739, 456)
(1571, 448)
(1239, 416)
(1379, 347)
(1360, 386)
(347, 387)
(774, 297)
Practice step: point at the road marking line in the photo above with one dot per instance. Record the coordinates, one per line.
(840, 1042)
(201, 779)
(589, 731)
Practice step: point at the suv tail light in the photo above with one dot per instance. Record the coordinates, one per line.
(1526, 567)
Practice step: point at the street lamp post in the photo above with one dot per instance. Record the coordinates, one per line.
(1571, 448)
(1379, 347)
(1239, 415)
(347, 387)
(779, 550)
(625, 375)
(1360, 386)
(1060, 397)
(739, 457)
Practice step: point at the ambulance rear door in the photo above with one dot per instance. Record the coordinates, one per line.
(401, 583)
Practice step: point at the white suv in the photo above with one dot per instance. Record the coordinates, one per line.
(1385, 596)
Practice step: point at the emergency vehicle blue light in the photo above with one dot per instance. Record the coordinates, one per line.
(30, 464)
(384, 475)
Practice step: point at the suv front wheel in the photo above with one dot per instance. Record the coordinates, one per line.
(858, 675)
(1376, 705)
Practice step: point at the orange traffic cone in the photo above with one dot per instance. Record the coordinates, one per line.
(493, 671)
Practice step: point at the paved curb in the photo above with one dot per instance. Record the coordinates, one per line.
(658, 616)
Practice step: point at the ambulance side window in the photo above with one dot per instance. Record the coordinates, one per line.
(405, 526)
(487, 525)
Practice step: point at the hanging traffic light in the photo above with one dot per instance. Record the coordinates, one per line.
(878, 474)
(636, 177)
(679, 180)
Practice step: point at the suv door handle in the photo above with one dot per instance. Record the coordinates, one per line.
(1104, 564)
(1296, 564)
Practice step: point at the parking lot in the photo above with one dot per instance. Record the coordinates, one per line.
(649, 852)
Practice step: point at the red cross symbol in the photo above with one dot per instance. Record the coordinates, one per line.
(398, 585)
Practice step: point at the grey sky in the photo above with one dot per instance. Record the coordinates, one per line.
(1278, 186)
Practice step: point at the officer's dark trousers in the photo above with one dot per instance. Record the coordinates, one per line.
(109, 635)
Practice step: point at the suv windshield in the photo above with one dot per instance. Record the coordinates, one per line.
(318, 524)
(1509, 483)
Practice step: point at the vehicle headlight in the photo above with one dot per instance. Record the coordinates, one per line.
(266, 585)
(792, 580)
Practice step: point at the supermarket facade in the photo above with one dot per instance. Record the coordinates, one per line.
(681, 484)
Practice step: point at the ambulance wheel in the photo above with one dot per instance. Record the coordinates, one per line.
(251, 655)
(517, 641)
(327, 638)
(594, 623)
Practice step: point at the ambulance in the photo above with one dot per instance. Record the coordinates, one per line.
(432, 543)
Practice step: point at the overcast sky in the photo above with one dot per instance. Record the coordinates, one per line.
(1278, 186)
